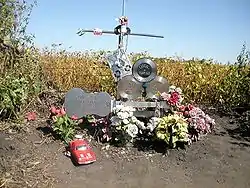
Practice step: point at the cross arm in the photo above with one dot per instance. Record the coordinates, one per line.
(99, 32)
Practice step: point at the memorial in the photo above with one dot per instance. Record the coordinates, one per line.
(138, 84)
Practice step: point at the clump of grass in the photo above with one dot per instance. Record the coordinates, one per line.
(21, 75)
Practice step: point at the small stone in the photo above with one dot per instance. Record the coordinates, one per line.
(67, 172)
(103, 147)
(12, 147)
(107, 147)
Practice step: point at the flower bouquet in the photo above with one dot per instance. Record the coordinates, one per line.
(200, 124)
(172, 129)
(125, 126)
(173, 97)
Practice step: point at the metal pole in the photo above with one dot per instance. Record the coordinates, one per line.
(120, 40)
(123, 7)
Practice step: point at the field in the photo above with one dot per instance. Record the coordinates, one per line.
(32, 141)
(202, 81)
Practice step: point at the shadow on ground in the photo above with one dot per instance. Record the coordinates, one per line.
(241, 133)
(48, 131)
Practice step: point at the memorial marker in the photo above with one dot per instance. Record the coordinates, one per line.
(137, 81)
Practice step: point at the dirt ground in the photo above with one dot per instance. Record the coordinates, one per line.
(31, 158)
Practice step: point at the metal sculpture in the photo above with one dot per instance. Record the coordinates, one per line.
(137, 83)
(119, 62)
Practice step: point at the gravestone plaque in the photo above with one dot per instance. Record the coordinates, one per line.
(80, 103)
(159, 84)
(129, 88)
(144, 70)
(72, 104)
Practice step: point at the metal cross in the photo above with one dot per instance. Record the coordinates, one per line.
(118, 61)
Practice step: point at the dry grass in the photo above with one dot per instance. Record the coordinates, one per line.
(67, 70)
(199, 80)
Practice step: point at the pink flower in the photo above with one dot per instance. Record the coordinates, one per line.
(53, 110)
(179, 113)
(182, 108)
(58, 111)
(209, 120)
(63, 112)
(165, 96)
(80, 121)
(74, 117)
(31, 116)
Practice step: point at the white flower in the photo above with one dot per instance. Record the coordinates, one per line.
(140, 125)
(125, 121)
(128, 109)
(150, 127)
(130, 114)
(134, 119)
(120, 115)
(118, 108)
(123, 115)
(171, 88)
(153, 122)
(132, 130)
(154, 97)
(181, 99)
(178, 90)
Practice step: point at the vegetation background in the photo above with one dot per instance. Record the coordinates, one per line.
(26, 71)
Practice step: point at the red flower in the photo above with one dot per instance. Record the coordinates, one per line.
(182, 108)
(190, 107)
(31, 116)
(174, 98)
(186, 113)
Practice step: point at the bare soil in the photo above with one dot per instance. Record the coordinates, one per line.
(32, 158)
